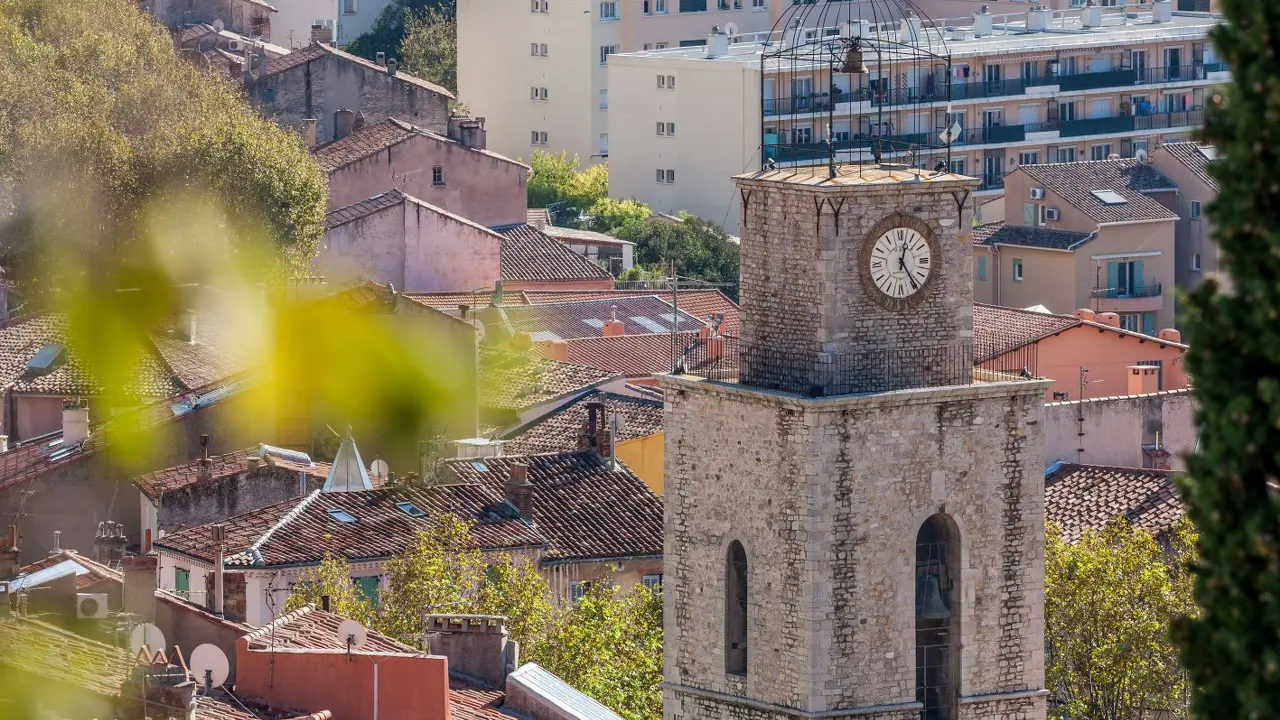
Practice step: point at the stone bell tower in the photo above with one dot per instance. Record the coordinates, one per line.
(855, 528)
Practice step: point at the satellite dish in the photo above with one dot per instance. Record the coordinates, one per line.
(209, 659)
(352, 635)
(479, 328)
(617, 423)
(378, 468)
(951, 134)
(1141, 155)
(218, 26)
(146, 634)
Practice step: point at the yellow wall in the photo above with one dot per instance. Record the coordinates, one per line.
(645, 457)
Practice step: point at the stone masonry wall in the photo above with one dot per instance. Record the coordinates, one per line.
(827, 497)
(801, 286)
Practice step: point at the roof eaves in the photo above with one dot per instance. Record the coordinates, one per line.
(1145, 221)
(1031, 247)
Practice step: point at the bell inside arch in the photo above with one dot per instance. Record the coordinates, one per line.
(853, 61)
(929, 602)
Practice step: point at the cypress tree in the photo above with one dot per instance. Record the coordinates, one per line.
(1232, 650)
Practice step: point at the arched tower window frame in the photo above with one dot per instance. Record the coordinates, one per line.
(736, 609)
(937, 593)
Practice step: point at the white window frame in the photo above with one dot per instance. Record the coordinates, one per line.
(1017, 273)
(437, 175)
(651, 581)
(609, 11)
(662, 82)
(671, 129)
(1195, 262)
(606, 51)
(578, 589)
(542, 50)
(1093, 151)
(604, 145)
(543, 137)
(1196, 210)
(1034, 155)
(759, 5)
(661, 129)
(604, 99)
(660, 46)
(671, 82)
(533, 49)
(659, 7)
(352, 4)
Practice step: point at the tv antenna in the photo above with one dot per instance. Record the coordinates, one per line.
(210, 666)
(352, 636)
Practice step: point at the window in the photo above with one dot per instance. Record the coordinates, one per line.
(604, 99)
(982, 268)
(662, 128)
(671, 129)
(1195, 209)
(348, 7)
(937, 617)
(543, 138)
(666, 177)
(802, 135)
(1195, 262)
(342, 516)
(533, 49)
(757, 4)
(1017, 269)
(957, 166)
(648, 46)
(538, 6)
(1029, 158)
(659, 7)
(182, 582)
(660, 46)
(662, 82)
(1066, 111)
(537, 138)
(604, 144)
(606, 51)
(1100, 152)
(609, 10)
(578, 589)
(1131, 322)
(542, 49)
(367, 587)
(647, 9)
(735, 610)
(693, 6)
(537, 93)
(1066, 155)
(692, 43)
(410, 509)
(1124, 279)
(666, 82)
(653, 582)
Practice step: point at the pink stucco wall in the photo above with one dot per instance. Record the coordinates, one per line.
(483, 187)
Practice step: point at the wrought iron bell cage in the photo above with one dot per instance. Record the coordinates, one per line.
(856, 81)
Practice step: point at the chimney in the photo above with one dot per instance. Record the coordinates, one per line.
(1091, 16)
(477, 646)
(1143, 379)
(253, 462)
(1109, 319)
(1170, 334)
(982, 23)
(717, 43)
(140, 586)
(392, 66)
(1038, 18)
(57, 542)
(263, 62)
(614, 327)
(343, 120)
(75, 423)
(1161, 11)
(595, 435)
(4, 443)
(218, 536)
(235, 596)
(359, 122)
(557, 350)
(308, 132)
(108, 543)
(10, 556)
(322, 34)
(473, 135)
(146, 541)
(204, 466)
(381, 59)
(1085, 314)
(519, 491)
(185, 325)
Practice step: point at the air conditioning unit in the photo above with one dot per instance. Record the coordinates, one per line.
(1037, 193)
(235, 45)
(91, 605)
(1051, 214)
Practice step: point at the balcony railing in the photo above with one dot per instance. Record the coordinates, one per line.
(1137, 291)
(991, 182)
(1129, 123)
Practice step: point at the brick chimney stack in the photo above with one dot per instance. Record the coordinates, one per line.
(519, 491)
(140, 585)
(204, 466)
(476, 645)
(595, 434)
(10, 556)
(614, 327)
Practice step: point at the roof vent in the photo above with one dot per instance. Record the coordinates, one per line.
(1161, 12)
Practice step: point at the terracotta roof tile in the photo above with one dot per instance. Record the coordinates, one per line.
(644, 355)
(361, 144)
(315, 51)
(530, 254)
(1080, 497)
(310, 628)
(585, 508)
(451, 301)
(1192, 155)
(221, 704)
(61, 656)
(303, 530)
(1076, 182)
(1000, 233)
(469, 701)
(512, 381)
(538, 217)
(88, 572)
(154, 484)
(997, 330)
(363, 209)
(558, 431)
(585, 318)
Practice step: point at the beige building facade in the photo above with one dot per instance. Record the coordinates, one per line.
(537, 69)
(1197, 255)
(1093, 83)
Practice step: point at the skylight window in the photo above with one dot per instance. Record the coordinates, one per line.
(479, 466)
(342, 516)
(650, 325)
(1110, 197)
(1209, 152)
(410, 509)
(596, 323)
(45, 359)
(543, 336)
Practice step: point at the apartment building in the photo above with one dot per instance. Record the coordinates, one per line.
(537, 69)
(1092, 235)
(1026, 87)
(1197, 256)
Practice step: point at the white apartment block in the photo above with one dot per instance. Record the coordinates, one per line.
(1032, 86)
(536, 69)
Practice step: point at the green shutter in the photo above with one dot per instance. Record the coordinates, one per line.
(1149, 323)
(1029, 214)
(982, 268)
(182, 581)
(368, 588)
(1113, 279)
(1137, 276)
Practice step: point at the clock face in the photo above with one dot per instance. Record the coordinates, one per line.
(900, 262)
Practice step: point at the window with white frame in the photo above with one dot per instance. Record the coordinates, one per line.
(758, 4)
(604, 99)
(604, 144)
(1195, 262)
(671, 81)
(542, 49)
(1100, 152)
(648, 46)
(1195, 209)
(957, 166)
(671, 129)
(578, 589)
(662, 82)
(537, 137)
(437, 175)
(1029, 157)
(609, 10)
(659, 6)
(537, 93)
(662, 128)
(348, 7)
(1017, 269)
(653, 582)
(665, 176)
(660, 46)
(538, 6)
(606, 51)
(1066, 155)
(533, 49)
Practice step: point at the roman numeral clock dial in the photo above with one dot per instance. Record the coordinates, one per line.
(900, 262)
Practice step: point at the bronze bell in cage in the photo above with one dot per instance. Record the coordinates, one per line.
(853, 63)
(929, 602)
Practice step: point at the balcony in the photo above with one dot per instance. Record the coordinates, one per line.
(996, 134)
(991, 182)
(1135, 299)
(1094, 81)
(1129, 123)
(1137, 291)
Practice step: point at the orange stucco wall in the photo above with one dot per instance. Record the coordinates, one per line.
(409, 687)
(645, 458)
(1107, 355)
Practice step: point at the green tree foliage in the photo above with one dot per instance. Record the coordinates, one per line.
(391, 26)
(559, 182)
(1232, 650)
(700, 248)
(331, 579)
(641, 272)
(608, 214)
(430, 46)
(609, 645)
(1110, 599)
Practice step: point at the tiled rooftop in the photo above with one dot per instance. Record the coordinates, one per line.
(221, 704)
(538, 217)
(1080, 497)
(530, 254)
(315, 51)
(849, 175)
(1000, 233)
(156, 483)
(642, 355)
(512, 381)
(558, 431)
(363, 209)
(585, 508)
(62, 657)
(998, 330)
(360, 525)
(1195, 157)
(586, 318)
(1078, 181)
(361, 144)
(61, 564)
(584, 237)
